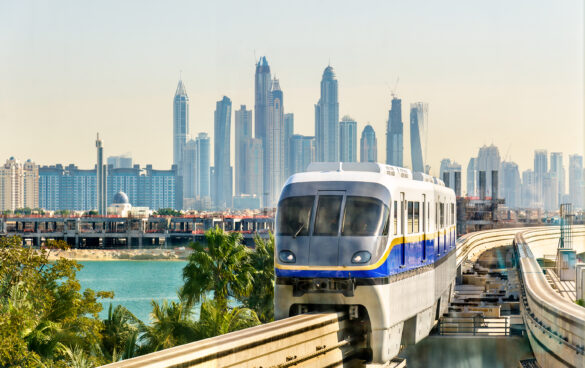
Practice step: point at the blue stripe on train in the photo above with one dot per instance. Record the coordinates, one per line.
(391, 266)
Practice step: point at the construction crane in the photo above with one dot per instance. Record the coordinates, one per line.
(393, 90)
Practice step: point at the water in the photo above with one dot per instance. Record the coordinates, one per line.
(134, 283)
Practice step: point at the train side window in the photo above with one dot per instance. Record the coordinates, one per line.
(410, 216)
(428, 216)
(395, 218)
(437, 226)
(452, 214)
(442, 215)
(416, 217)
(386, 219)
(402, 217)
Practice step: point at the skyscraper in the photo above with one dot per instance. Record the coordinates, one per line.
(450, 173)
(253, 182)
(488, 162)
(327, 119)
(203, 146)
(120, 162)
(347, 139)
(102, 178)
(180, 122)
(262, 88)
(472, 177)
(394, 129)
(302, 152)
(222, 188)
(540, 171)
(189, 171)
(557, 170)
(368, 145)
(528, 189)
(243, 134)
(511, 185)
(19, 185)
(576, 185)
(418, 127)
(274, 178)
(289, 128)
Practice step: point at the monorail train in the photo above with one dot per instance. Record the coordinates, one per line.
(374, 239)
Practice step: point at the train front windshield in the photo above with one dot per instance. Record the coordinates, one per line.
(362, 216)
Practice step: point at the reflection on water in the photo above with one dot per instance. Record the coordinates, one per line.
(468, 352)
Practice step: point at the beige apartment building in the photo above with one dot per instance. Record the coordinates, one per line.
(19, 185)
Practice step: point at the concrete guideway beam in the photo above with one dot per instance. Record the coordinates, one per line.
(555, 325)
(304, 340)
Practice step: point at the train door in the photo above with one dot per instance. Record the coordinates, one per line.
(424, 227)
(324, 243)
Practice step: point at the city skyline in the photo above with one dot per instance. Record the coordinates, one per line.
(479, 84)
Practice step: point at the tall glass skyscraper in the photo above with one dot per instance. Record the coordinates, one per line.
(347, 139)
(203, 165)
(368, 145)
(557, 170)
(253, 181)
(394, 130)
(262, 88)
(180, 123)
(274, 178)
(302, 152)
(289, 127)
(327, 119)
(540, 172)
(472, 177)
(243, 134)
(222, 188)
(418, 126)
(576, 183)
(511, 185)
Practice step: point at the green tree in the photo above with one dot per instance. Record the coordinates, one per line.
(261, 298)
(119, 333)
(171, 326)
(222, 266)
(168, 212)
(42, 308)
(214, 320)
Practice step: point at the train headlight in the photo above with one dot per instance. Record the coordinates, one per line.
(286, 256)
(363, 256)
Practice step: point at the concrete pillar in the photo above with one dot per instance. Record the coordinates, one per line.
(140, 242)
(566, 260)
(580, 284)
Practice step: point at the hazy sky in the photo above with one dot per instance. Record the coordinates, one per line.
(502, 72)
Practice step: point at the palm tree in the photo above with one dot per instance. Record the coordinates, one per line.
(171, 326)
(214, 321)
(261, 299)
(119, 327)
(224, 269)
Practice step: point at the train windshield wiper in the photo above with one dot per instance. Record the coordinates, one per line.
(298, 231)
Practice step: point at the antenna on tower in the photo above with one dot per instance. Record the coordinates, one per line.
(395, 89)
(180, 74)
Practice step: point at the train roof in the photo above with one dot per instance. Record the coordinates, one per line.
(372, 167)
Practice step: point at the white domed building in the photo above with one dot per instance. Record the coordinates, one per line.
(121, 207)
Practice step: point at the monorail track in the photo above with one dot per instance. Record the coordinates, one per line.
(307, 340)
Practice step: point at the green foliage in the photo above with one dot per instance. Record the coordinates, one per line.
(120, 333)
(168, 212)
(261, 298)
(223, 268)
(214, 320)
(581, 302)
(171, 326)
(62, 213)
(43, 311)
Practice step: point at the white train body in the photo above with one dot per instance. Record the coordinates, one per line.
(370, 236)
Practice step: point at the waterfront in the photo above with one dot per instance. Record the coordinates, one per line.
(134, 283)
